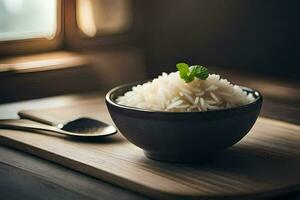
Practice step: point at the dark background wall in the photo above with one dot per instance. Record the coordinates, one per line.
(256, 36)
(250, 35)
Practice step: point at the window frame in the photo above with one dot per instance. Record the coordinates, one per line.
(36, 45)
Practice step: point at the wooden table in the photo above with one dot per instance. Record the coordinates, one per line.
(24, 176)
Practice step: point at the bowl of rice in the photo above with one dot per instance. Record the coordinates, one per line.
(176, 120)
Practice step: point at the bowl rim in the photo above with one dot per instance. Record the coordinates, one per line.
(108, 98)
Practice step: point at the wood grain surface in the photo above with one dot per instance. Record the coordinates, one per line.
(265, 163)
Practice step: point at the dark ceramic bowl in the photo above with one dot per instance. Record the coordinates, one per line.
(182, 136)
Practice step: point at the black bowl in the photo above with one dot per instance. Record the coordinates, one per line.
(182, 136)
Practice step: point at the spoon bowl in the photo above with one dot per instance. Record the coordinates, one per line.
(85, 125)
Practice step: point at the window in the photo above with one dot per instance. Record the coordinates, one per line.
(27, 19)
(32, 26)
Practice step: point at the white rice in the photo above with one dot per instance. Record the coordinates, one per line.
(170, 93)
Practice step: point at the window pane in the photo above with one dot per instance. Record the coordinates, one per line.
(25, 19)
(102, 17)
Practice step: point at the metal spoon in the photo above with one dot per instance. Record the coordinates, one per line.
(28, 125)
(83, 127)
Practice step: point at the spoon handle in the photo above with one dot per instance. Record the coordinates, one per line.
(39, 117)
(27, 125)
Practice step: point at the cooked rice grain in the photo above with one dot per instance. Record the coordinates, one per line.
(169, 92)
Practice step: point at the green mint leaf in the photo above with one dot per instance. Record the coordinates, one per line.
(201, 72)
(183, 69)
(188, 74)
(191, 74)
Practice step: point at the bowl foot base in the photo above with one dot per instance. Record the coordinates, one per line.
(179, 158)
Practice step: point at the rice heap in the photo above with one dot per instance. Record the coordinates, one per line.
(170, 93)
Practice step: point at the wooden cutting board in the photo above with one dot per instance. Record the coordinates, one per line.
(265, 163)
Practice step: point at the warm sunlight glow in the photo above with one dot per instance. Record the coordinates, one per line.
(85, 17)
(100, 17)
